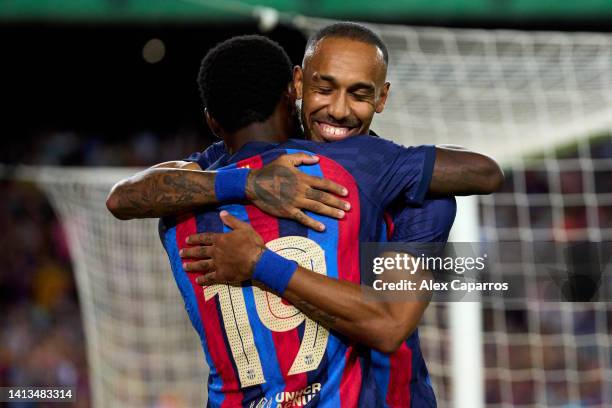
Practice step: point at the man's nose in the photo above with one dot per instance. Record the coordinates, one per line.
(338, 108)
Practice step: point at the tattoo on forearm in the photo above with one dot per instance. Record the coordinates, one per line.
(166, 194)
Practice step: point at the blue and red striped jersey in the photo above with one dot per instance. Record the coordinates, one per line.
(261, 350)
(209, 156)
(402, 378)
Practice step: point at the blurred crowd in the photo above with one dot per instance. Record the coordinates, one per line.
(67, 148)
(42, 340)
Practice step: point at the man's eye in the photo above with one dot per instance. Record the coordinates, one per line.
(361, 96)
(324, 91)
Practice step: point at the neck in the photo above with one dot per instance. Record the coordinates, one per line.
(276, 129)
(256, 132)
(272, 131)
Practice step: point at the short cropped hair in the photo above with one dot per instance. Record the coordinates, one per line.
(242, 79)
(351, 31)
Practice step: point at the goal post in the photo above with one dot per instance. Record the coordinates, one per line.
(465, 322)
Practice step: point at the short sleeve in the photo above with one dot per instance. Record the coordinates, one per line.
(209, 156)
(400, 171)
(411, 171)
(431, 222)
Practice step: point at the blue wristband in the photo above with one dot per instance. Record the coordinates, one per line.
(230, 185)
(274, 271)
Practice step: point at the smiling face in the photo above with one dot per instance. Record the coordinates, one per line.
(342, 84)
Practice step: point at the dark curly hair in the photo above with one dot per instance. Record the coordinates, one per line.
(242, 79)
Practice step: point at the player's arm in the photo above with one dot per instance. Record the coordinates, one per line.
(411, 172)
(164, 189)
(459, 171)
(339, 305)
(380, 320)
(278, 188)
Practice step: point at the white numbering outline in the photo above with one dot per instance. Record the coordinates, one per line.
(274, 314)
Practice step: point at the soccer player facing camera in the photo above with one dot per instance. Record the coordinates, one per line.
(259, 348)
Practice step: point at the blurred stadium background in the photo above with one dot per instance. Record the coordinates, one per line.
(99, 85)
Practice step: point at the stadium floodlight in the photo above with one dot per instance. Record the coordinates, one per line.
(267, 18)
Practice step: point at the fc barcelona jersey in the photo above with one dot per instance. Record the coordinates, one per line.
(402, 378)
(262, 351)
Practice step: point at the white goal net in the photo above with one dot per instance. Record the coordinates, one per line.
(541, 104)
(535, 101)
(141, 348)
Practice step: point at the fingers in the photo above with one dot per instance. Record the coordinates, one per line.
(318, 182)
(232, 222)
(197, 252)
(302, 218)
(296, 159)
(203, 238)
(212, 278)
(206, 265)
(322, 209)
(326, 185)
(207, 280)
(328, 200)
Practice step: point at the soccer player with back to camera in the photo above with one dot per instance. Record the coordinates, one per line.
(328, 370)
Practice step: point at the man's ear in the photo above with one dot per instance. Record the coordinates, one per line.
(380, 104)
(291, 91)
(213, 125)
(298, 78)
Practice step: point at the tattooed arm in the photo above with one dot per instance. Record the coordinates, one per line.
(459, 171)
(164, 189)
(281, 190)
(277, 188)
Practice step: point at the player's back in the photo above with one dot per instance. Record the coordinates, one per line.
(260, 349)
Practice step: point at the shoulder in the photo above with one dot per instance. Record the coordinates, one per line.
(209, 156)
(178, 164)
(301, 144)
(375, 150)
(363, 141)
(215, 150)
